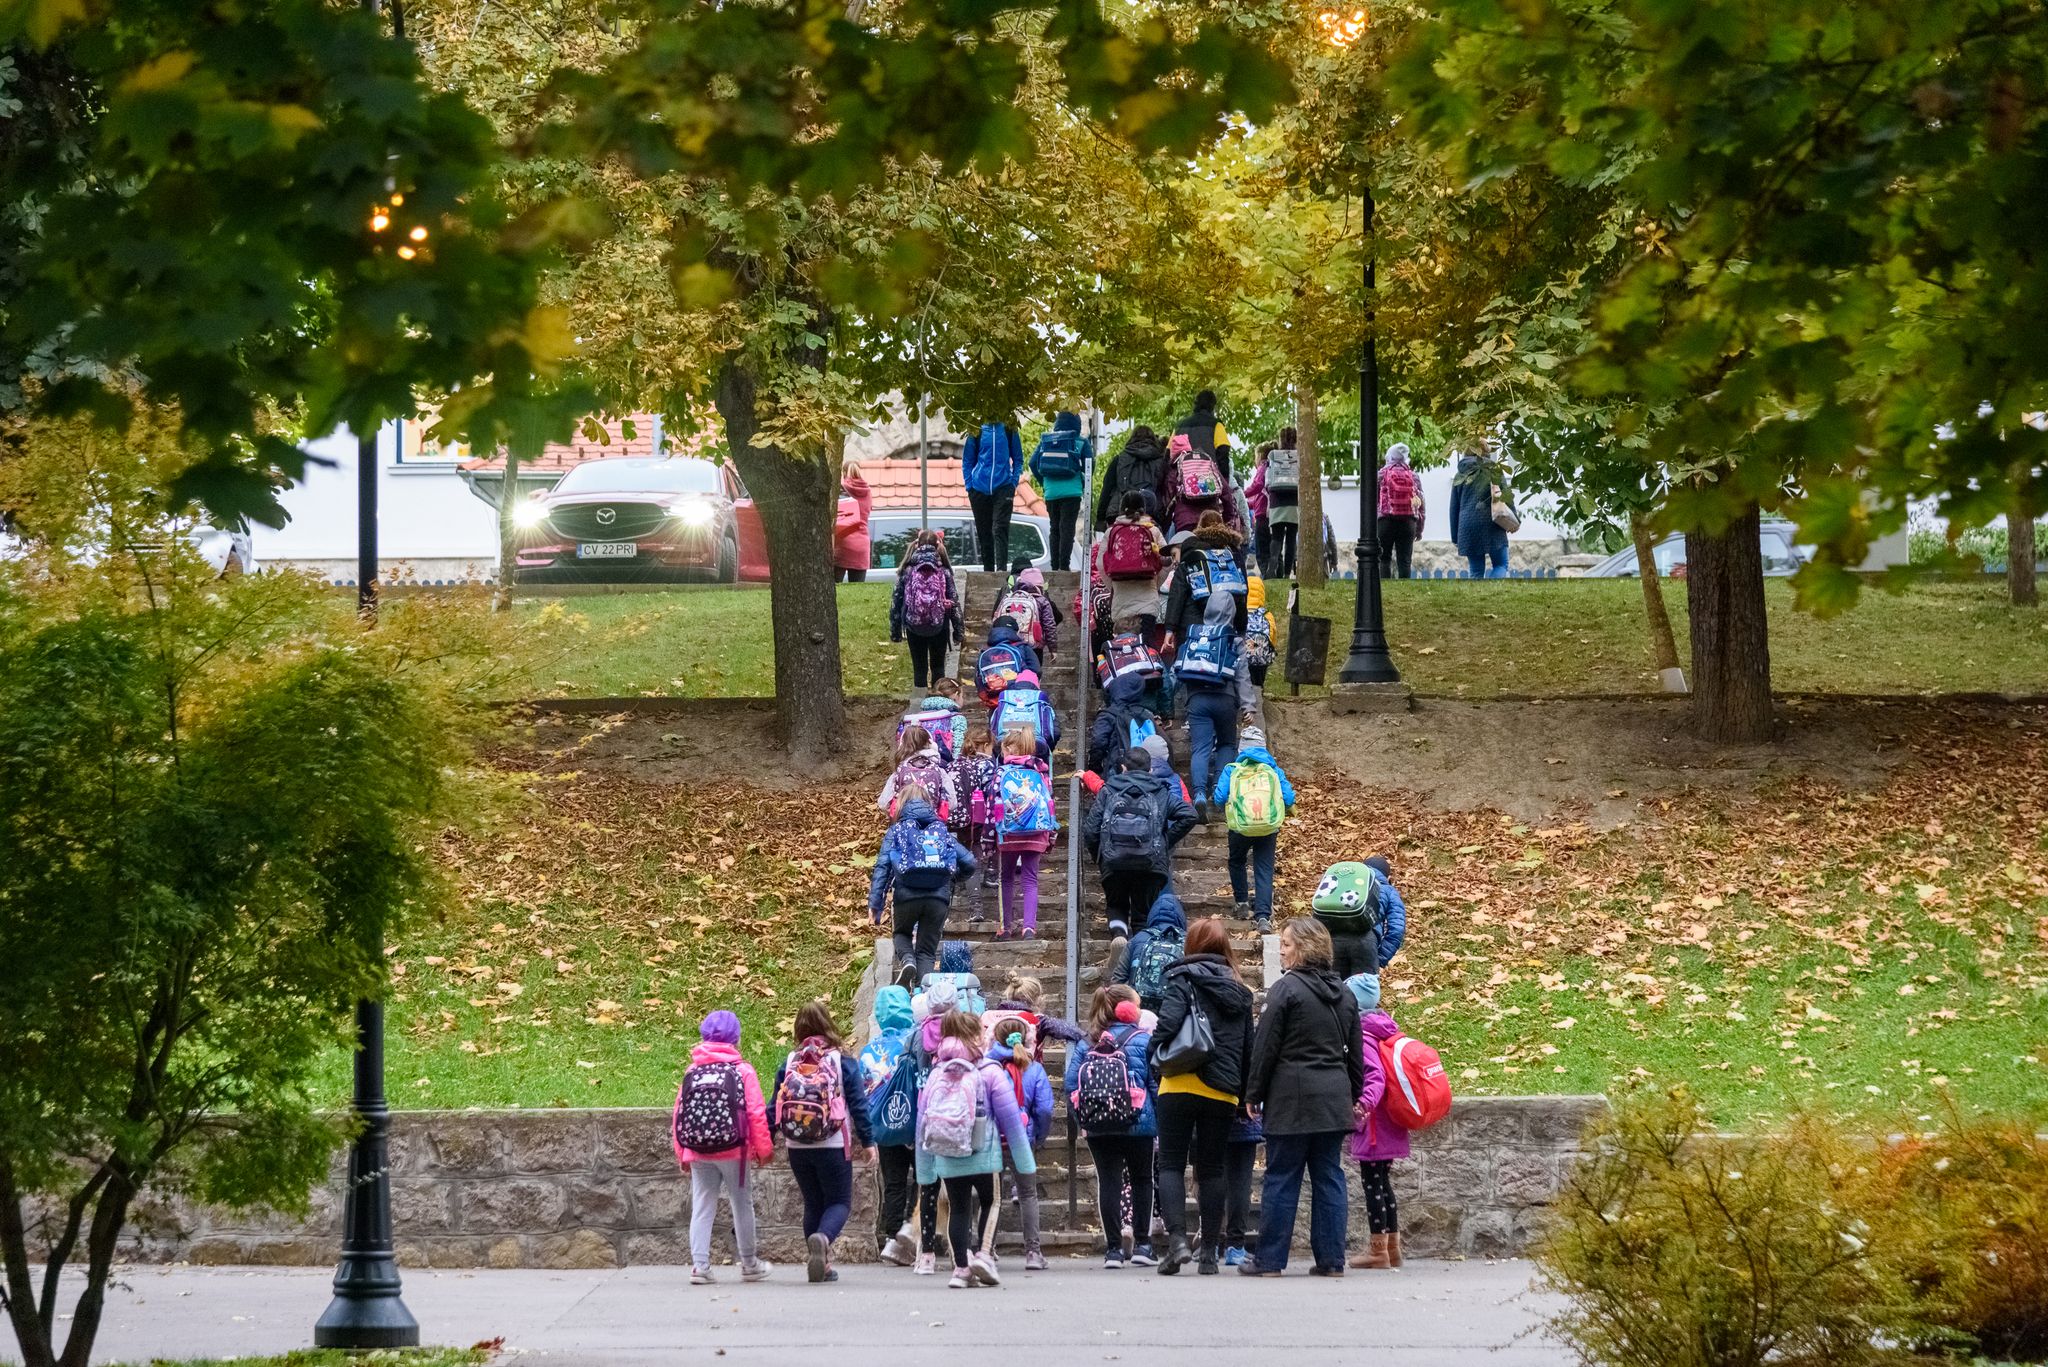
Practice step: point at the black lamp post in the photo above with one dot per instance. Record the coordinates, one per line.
(1369, 661)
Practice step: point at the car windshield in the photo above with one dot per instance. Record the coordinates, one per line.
(641, 477)
(890, 538)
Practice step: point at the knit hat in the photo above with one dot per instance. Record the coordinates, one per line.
(1365, 987)
(940, 997)
(1026, 679)
(720, 1027)
(1127, 1013)
(1031, 579)
(1397, 454)
(1249, 737)
(1379, 861)
(1154, 745)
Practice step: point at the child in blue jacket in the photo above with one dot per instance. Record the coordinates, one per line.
(1393, 911)
(1122, 1153)
(1253, 895)
(923, 896)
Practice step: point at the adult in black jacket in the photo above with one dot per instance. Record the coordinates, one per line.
(1135, 865)
(1308, 1069)
(1198, 1107)
(1139, 468)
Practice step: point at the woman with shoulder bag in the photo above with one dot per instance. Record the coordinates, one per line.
(1201, 1053)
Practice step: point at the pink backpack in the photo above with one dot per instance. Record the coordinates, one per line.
(1131, 552)
(1418, 1090)
(1022, 606)
(926, 772)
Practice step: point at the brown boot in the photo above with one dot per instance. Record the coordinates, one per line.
(1394, 1249)
(1375, 1257)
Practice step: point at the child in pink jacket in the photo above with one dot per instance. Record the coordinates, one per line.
(1377, 1141)
(715, 1066)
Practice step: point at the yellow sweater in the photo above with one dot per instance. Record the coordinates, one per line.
(1188, 1084)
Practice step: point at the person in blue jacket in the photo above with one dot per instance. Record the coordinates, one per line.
(1122, 1153)
(1062, 486)
(1479, 538)
(1393, 911)
(991, 463)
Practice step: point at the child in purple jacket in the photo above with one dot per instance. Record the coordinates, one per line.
(1377, 1141)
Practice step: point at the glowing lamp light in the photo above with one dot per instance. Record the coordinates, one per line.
(1343, 27)
(379, 221)
(696, 513)
(397, 200)
(418, 234)
(406, 253)
(529, 515)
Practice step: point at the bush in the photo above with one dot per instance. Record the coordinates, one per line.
(1987, 544)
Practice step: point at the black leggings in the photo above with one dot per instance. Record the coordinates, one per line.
(1063, 512)
(1119, 1157)
(928, 1219)
(1284, 534)
(1397, 545)
(897, 1164)
(927, 657)
(1380, 1212)
(974, 1200)
(1198, 1127)
(992, 524)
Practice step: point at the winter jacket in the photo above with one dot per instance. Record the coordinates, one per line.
(1032, 1088)
(1183, 609)
(1136, 1043)
(760, 1136)
(1254, 754)
(1205, 433)
(898, 626)
(1255, 497)
(1028, 841)
(1065, 436)
(1139, 468)
(1007, 636)
(1393, 922)
(1206, 979)
(1377, 1136)
(850, 545)
(1307, 1064)
(971, 774)
(1170, 807)
(1109, 731)
(852, 1089)
(986, 467)
(945, 797)
(888, 863)
(1008, 1130)
(1472, 504)
(1167, 917)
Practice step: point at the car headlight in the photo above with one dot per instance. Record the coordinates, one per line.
(529, 514)
(696, 513)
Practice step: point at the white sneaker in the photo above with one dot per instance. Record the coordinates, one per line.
(757, 1270)
(981, 1270)
(959, 1281)
(701, 1276)
(927, 1265)
(900, 1251)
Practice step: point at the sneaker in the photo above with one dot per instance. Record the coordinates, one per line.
(1206, 1267)
(820, 1251)
(1241, 911)
(1028, 933)
(1129, 1243)
(1250, 1268)
(959, 1280)
(1112, 1260)
(1234, 1255)
(756, 1271)
(1326, 1272)
(900, 1251)
(906, 976)
(1264, 925)
(981, 1270)
(701, 1276)
(1034, 1261)
(831, 1274)
(1142, 1256)
(927, 1265)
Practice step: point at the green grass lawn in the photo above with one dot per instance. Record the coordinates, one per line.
(1450, 638)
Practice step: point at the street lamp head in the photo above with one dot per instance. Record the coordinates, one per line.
(1343, 27)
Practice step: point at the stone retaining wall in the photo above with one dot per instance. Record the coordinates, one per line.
(594, 1188)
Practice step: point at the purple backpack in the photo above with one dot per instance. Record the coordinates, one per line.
(927, 597)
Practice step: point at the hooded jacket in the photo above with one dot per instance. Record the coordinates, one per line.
(1308, 1066)
(916, 812)
(986, 467)
(1109, 731)
(1008, 636)
(1182, 607)
(1139, 468)
(1376, 1137)
(1393, 922)
(1032, 1088)
(760, 1139)
(850, 544)
(1170, 807)
(893, 1020)
(1206, 979)
(925, 555)
(1254, 754)
(1167, 917)
(1001, 1097)
(1065, 436)
(1472, 525)
(1136, 1042)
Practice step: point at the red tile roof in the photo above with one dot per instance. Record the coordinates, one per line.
(894, 486)
(564, 456)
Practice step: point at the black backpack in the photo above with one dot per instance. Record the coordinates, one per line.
(1133, 836)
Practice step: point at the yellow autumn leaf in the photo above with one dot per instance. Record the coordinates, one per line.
(158, 73)
(290, 122)
(41, 19)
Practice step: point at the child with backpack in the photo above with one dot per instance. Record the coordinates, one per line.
(1024, 706)
(1348, 901)
(891, 1075)
(1134, 558)
(1153, 950)
(919, 860)
(974, 814)
(1025, 603)
(926, 608)
(720, 1124)
(1393, 910)
(1109, 1091)
(1130, 831)
(1124, 722)
(1006, 658)
(918, 763)
(1058, 467)
(820, 1113)
(966, 1114)
(1013, 1044)
(1256, 798)
(938, 712)
(1387, 1106)
(1025, 830)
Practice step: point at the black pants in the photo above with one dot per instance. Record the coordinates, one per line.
(1381, 1214)
(920, 922)
(1197, 1126)
(847, 576)
(927, 657)
(1121, 1157)
(1262, 544)
(897, 1164)
(1242, 1157)
(928, 1218)
(974, 1200)
(1397, 545)
(1354, 953)
(992, 524)
(1129, 898)
(1284, 536)
(1064, 512)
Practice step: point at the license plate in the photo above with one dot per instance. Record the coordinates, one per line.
(607, 550)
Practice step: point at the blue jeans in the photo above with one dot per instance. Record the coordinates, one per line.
(1212, 734)
(1259, 850)
(1328, 1202)
(1496, 551)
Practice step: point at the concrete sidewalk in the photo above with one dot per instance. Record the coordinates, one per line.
(1427, 1314)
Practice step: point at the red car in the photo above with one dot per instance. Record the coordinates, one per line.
(631, 519)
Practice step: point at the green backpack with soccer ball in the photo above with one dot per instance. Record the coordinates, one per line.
(1349, 896)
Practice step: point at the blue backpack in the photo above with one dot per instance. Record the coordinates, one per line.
(892, 1106)
(1020, 707)
(1027, 801)
(1059, 455)
(1209, 653)
(924, 856)
(1216, 571)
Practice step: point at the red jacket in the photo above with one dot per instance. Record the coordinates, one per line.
(850, 548)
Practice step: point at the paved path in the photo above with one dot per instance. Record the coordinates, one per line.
(1427, 1314)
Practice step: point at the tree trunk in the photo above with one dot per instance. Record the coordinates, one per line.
(508, 533)
(798, 498)
(1731, 645)
(1663, 644)
(2020, 580)
(1308, 537)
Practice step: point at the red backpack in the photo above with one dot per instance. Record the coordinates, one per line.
(1398, 490)
(1131, 552)
(1418, 1090)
